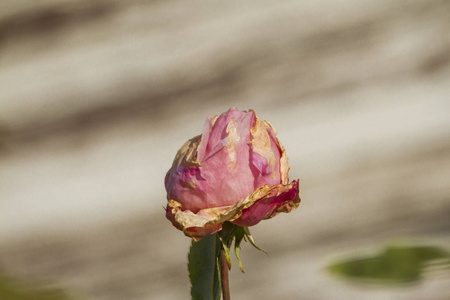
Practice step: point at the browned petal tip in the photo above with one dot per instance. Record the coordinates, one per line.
(264, 203)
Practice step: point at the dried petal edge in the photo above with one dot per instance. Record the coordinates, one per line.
(210, 220)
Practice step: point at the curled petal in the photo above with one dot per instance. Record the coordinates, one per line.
(264, 203)
(284, 166)
(281, 198)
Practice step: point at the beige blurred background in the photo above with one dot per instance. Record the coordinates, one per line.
(96, 97)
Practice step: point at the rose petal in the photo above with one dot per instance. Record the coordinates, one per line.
(196, 226)
(280, 199)
(197, 233)
(283, 163)
(265, 154)
(225, 167)
(209, 123)
(268, 202)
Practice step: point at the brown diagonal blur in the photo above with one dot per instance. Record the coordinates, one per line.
(96, 97)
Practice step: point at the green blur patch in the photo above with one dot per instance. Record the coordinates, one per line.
(15, 290)
(396, 265)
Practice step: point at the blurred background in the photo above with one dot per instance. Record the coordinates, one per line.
(97, 96)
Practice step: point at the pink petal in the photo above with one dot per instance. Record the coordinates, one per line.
(225, 166)
(283, 199)
(265, 154)
(188, 184)
(197, 233)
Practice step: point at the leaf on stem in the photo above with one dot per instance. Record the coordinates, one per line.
(226, 251)
(203, 270)
(239, 236)
(251, 240)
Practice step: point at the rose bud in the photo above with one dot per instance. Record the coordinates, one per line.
(236, 171)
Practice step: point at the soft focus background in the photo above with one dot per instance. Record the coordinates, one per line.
(96, 97)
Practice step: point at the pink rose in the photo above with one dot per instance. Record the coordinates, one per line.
(236, 171)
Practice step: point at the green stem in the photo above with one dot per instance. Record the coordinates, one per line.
(224, 276)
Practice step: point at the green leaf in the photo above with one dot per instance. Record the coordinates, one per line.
(251, 240)
(395, 265)
(239, 236)
(226, 236)
(226, 251)
(203, 268)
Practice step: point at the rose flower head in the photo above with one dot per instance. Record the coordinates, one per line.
(235, 171)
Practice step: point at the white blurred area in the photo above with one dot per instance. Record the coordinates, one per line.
(97, 97)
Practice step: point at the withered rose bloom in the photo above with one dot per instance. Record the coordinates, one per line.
(236, 171)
